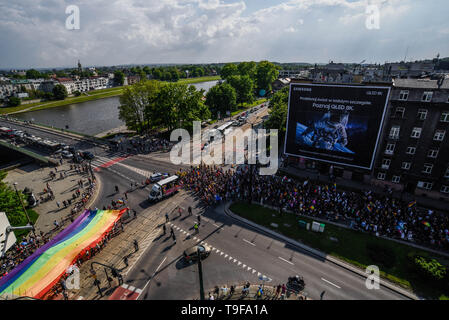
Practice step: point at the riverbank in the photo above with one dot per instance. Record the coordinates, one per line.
(89, 96)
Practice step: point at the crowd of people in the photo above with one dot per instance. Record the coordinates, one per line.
(20, 251)
(142, 145)
(381, 215)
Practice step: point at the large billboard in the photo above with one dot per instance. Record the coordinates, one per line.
(339, 124)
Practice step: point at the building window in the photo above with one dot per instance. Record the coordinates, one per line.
(416, 132)
(406, 165)
(425, 185)
(444, 189)
(396, 179)
(394, 132)
(439, 135)
(433, 153)
(411, 150)
(386, 164)
(390, 148)
(422, 114)
(444, 116)
(427, 168)
(427, 96)
(399, 112)
(381, 176)
(403, 95)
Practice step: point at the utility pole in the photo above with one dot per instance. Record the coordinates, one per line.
(200, 273)
(23, 206)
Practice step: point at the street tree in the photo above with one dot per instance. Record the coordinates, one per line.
(221, 98)
(243, 86)
(278, 112)
(248, 68)
(228, 70)
(267, 72)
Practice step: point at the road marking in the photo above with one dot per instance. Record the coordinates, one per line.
(249, 268)
(157, 269)
(249, 242)
(330, 283)
(239, 263)
(286, 261)
(259, 274)
(226, 256)
(244, 266)
(254, 270)
(216, 225)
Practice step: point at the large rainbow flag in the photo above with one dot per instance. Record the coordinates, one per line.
(37, 274)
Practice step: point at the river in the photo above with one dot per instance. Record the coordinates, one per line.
(91, 117)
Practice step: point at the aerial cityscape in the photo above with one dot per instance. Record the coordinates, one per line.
(224, 150)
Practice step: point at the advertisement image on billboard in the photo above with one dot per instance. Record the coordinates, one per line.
(335, 123)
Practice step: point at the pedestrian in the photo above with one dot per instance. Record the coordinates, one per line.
(179, 211)
(231, 292)
(172, 232)
(211, 296)
(195, 226)
(64, 203)
(126, 195)
(56, 224)
(174, 238)
(190, 210)
(166, 217)
(322, 295)
(134, 213)
(199, 219)
(278, 291)
(58, 204)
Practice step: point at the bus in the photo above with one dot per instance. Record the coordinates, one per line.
(7, 132)
(164, 188)
(223, 128)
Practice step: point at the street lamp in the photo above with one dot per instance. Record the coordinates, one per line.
(23, 206)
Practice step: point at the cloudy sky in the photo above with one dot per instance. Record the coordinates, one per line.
(33, 33)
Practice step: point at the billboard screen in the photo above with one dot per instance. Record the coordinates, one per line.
(335, 123)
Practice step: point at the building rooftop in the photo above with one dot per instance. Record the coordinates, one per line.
(420, 83)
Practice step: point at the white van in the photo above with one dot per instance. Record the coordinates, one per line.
(164, 188)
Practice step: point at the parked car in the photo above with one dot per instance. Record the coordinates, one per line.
(67, 154)
(191, 254)
(77, 158)
(158, 176)
(87, 155)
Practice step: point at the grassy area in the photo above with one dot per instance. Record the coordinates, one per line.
(92, 95)
(351, 247)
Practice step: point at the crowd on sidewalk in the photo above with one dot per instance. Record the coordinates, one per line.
(379, 215)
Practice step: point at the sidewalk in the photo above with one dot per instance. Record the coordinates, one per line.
(35, 178)
(315, 252)
(269, 293)
(357, 185)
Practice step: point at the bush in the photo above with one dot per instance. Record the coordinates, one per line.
(14, 102)
(381, 255)
(430, 268)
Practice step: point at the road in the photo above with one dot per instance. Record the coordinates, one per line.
(239, 254)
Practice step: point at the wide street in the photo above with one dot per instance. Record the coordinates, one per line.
(239, 252)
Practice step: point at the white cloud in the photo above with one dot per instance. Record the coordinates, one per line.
(33, 34)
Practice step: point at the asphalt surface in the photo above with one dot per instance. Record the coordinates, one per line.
(239, 254)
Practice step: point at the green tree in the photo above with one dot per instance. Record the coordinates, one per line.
(33, 74)
(119, 78)
(228, 70)
(147, 70)
(243, 86)
(278, 112)
(14, 102)
(267, 72)
(248, 68)
(157, 74)
(10, 203)
(60, 92)
(179, 105)
(221, 98)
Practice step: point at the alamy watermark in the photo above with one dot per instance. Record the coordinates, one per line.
(73, 20)
(373, 280)
(208, 148)
(372, 21)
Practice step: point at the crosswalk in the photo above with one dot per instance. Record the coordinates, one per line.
(223, 254)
